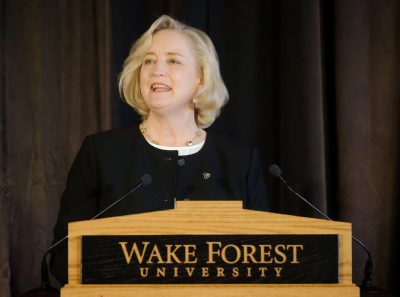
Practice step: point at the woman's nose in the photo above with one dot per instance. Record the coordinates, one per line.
(158, 73)
(159, 69)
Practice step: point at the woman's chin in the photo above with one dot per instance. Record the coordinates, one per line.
(158, 106)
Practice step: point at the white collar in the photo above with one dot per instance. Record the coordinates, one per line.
(182, 150)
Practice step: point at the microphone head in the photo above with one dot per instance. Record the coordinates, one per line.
(146, 179)
(275, 170)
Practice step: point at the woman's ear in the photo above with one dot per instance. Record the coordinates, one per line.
(200, 85)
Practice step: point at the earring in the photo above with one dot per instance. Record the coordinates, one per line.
(194, 100)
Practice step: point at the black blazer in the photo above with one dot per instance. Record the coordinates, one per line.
(109, 164)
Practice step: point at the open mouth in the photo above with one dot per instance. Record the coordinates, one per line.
(159, 87)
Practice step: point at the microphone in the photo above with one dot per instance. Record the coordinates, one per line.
(366, 284)
(45, 289)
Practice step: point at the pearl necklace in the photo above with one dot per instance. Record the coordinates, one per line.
(189, 142)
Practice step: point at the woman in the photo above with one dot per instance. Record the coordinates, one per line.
(172, 79)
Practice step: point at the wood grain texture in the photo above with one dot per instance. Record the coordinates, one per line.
(209, 217)
(209, 290)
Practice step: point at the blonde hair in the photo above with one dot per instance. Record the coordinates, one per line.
(213, 94)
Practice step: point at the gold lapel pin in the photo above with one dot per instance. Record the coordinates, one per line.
(206, 175)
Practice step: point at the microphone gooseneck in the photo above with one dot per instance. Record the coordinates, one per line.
(366, 283)
(143, 181)
(45, 283)
(146, 179)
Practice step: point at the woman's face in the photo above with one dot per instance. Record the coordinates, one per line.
(169, 77)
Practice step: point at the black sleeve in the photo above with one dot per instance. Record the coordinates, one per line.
(257, 196)
(78, 202)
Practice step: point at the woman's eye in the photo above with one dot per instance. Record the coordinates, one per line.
(174, 61)
(147, 61)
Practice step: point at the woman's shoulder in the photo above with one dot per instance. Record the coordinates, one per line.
(115, 140)
(115, 135)
(228, 145)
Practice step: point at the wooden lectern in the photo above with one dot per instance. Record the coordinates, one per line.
(211, 218)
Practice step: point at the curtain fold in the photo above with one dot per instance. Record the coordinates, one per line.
(302, 105)
(56, 92)
(5, 271)
(368, 123)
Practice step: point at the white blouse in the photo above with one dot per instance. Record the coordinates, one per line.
(182, 150)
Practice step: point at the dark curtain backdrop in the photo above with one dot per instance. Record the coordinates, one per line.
(314, 84)
(55, 89)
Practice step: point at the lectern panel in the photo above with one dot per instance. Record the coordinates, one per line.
(199, 222)
(210, 259)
